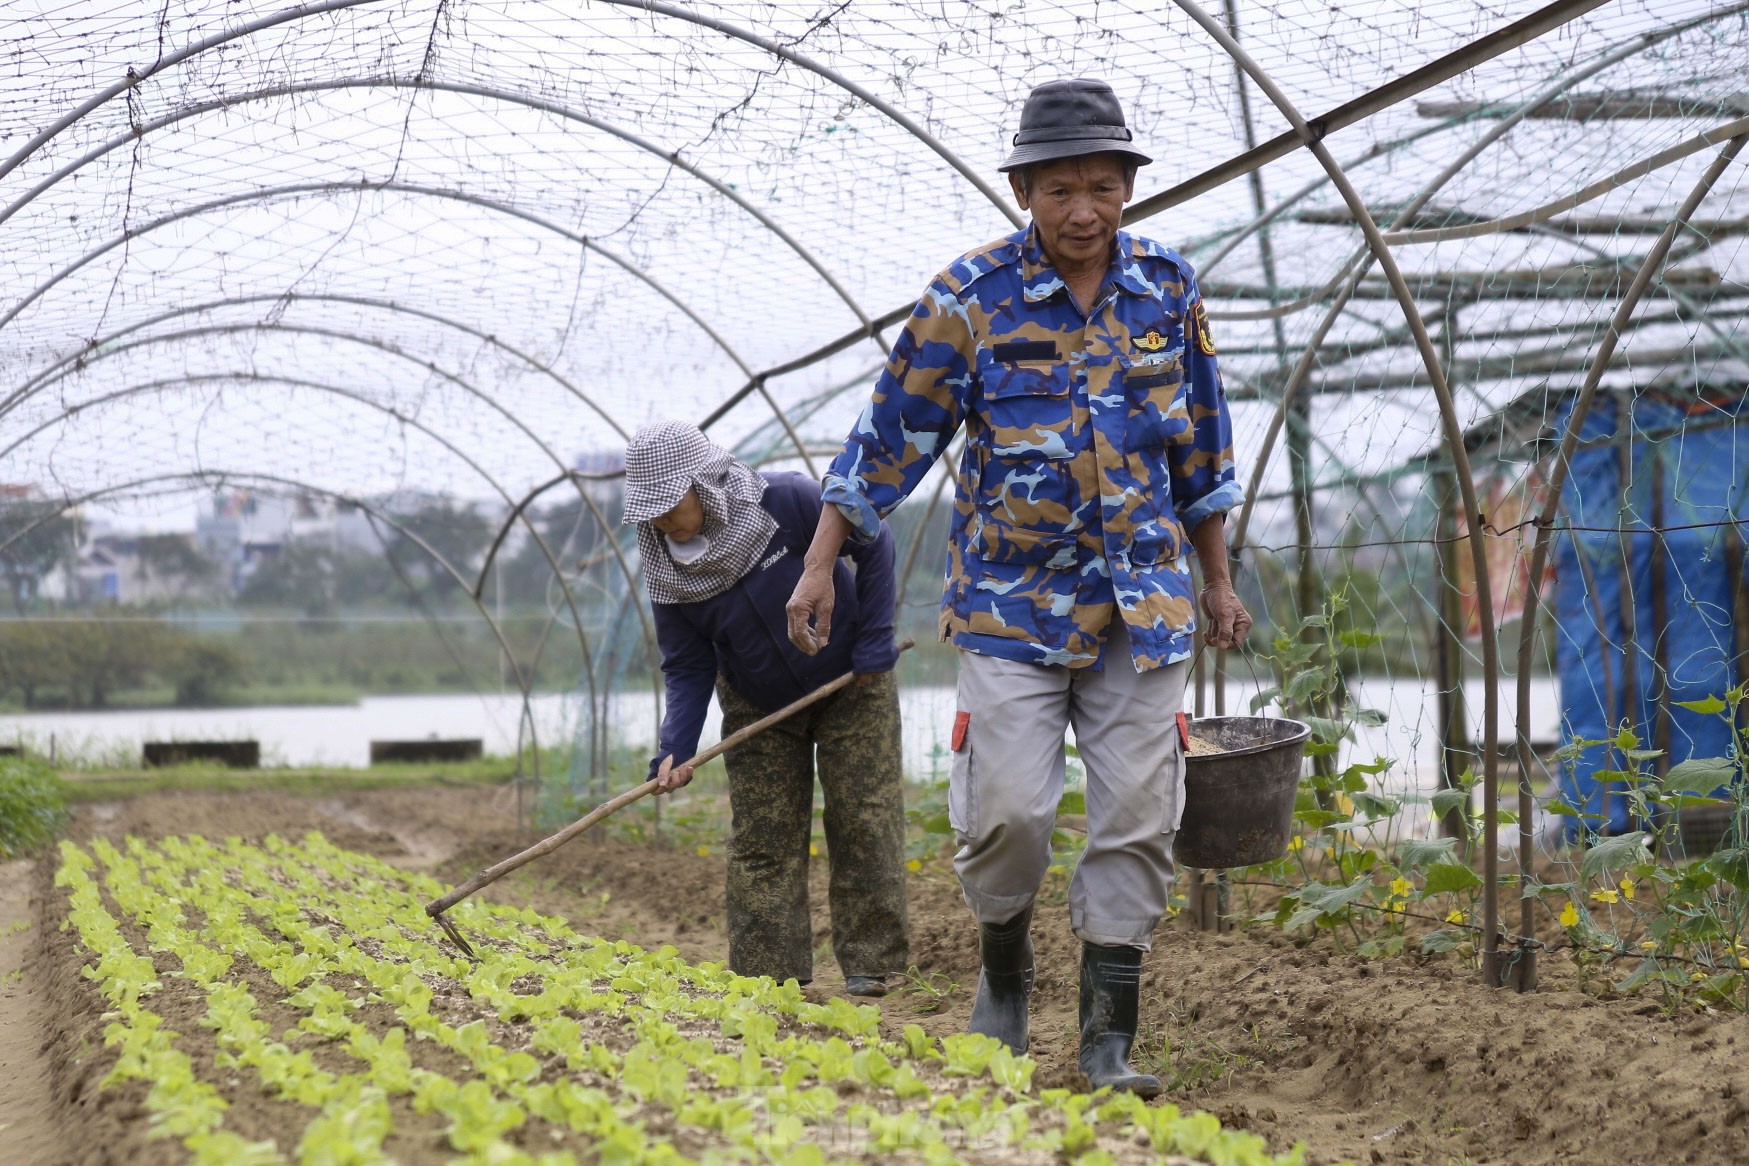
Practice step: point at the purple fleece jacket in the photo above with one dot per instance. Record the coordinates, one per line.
(744, 632)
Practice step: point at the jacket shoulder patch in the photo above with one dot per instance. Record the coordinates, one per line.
(1205, 340)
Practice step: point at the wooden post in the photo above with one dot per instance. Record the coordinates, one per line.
(1452, 712)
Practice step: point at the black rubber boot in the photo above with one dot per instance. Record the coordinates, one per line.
(1005, 981)
(1110, 992)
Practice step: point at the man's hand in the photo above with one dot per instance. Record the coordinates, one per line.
(810, 605)
(810, 609)
(670, 777)
(1229, 622)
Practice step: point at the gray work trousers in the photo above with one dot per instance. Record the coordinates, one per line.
(1007, 779)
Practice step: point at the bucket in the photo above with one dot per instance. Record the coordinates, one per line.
(1239, 804)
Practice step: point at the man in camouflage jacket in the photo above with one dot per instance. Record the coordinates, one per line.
(1098, 451)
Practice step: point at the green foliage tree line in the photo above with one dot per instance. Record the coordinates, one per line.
(85, 663)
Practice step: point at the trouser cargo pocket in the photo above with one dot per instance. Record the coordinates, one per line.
(962, 793)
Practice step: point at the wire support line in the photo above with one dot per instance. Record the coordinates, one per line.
(861, 93)
(1713, 137)
(134, 77)
(1489, 530)
(1395, 92)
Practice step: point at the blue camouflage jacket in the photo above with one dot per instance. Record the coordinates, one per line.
(1093, 443)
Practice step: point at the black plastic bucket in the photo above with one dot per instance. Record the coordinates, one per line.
(1239, 804)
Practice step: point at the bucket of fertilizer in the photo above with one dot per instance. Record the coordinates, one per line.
(1240, 778)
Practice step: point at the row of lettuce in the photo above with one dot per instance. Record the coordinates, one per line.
(570, 1046)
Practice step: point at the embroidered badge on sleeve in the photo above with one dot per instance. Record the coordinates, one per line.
(1205, 340)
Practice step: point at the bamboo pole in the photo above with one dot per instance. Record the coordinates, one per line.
(546, 846)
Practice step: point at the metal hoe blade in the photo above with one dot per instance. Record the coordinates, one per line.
(455, 936)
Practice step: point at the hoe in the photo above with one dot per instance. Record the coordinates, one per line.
(492, 874)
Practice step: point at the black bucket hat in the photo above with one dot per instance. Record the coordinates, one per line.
(1066, 119)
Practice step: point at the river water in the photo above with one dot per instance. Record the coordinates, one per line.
(340, 735)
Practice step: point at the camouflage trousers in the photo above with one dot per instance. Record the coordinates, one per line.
(853, 735)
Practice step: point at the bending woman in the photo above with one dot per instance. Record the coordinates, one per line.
(722, 549)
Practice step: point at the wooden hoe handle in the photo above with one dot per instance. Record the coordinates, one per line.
(545, 846)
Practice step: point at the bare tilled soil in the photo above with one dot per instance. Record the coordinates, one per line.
(1369, 1061)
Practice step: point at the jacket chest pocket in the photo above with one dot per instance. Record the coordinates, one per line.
(1026, 407)
(1157, 413)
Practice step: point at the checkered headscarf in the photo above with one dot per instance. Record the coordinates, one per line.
(663, 459)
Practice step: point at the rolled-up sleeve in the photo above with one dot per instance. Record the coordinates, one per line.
(1204, 477)
(917, 405)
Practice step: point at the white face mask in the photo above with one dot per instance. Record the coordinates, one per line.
(690, 551)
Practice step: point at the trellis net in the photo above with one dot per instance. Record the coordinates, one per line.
(364, 250)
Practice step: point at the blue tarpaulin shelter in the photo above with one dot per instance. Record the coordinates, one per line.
(1647, 601)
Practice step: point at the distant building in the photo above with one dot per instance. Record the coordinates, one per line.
(241, 528)
(113, 568)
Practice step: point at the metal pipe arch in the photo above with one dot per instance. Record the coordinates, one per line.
(184, 380)
(346, 3)
(229, 329)
(891, 112)
(1269, 151)
(88, 359)
(672, 157)
(222, 476)
(1498, 131)
(1466, 484)
(1517, 222)
(300, 189)
(1616, 56)
(85, 351)
(1507, 38)
(1556, 482)
(870, 328)
(413, 422)
(135, 76)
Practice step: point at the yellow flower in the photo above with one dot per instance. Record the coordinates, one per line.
(1569, 915)
(1400, 887)
(916, 864)
(1455, 917)
(1395, 904)
(1696, 977)
(1627, 887)
(1345, 803)
(1743, 961)
(814, 850)
(1648, 945)
(1604, 896)
(1297, 842)
(704, 852)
